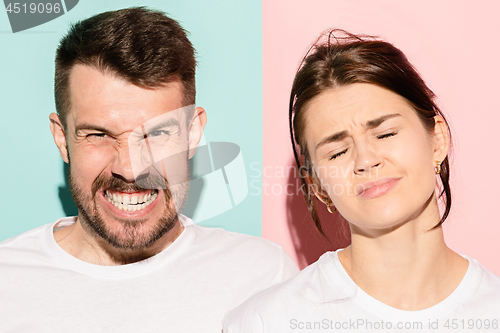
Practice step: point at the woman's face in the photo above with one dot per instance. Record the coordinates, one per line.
(372, 155)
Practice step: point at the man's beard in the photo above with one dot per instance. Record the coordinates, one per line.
(129, 236)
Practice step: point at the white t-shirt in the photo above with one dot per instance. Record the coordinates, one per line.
(188, 287)
(323, 298)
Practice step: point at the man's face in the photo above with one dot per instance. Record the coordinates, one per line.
(101, 136)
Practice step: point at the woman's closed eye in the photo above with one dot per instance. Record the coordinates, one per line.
(386, 135)
(334, 156)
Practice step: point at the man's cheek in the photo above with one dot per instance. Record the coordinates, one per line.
(173, 168)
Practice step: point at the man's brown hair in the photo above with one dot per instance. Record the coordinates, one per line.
(142, 46)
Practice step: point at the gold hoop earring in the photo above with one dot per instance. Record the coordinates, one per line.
(437, 168)
(328, 203)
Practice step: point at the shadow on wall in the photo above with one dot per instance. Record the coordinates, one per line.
(65, 196)
(308, 243)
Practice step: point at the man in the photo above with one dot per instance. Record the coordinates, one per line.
(130, 262)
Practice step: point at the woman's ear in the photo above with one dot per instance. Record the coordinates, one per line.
(441, 139)
(315, 186)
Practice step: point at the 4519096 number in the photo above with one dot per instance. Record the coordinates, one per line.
(33, 8)
(471, 324)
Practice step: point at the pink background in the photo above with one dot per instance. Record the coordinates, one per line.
(455, 47)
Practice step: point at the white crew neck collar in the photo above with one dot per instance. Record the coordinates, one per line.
(379, 308)
(166, 256)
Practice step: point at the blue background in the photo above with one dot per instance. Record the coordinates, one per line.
(228, 38)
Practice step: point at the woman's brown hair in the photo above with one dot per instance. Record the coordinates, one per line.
(339, 58)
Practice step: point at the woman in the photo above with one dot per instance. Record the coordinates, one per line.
(372, 144)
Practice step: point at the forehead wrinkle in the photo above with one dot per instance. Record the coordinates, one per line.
(357, 108)
(107, 100)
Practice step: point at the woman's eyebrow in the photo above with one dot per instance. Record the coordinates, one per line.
(378, 121)
(339, 136)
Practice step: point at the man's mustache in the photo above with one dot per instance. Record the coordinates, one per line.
(150, 180)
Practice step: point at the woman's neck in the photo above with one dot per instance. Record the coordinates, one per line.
(409, 267)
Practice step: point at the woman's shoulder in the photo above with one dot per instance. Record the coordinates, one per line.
(484, 285)
(315, 284)
(478, 295)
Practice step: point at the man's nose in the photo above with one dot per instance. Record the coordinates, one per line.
(121, 166)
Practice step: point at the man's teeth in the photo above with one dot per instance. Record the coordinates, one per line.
(131, 202)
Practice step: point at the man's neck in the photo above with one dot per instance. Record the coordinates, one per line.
(76, 241)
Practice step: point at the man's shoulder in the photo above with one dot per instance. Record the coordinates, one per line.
(224, 238)
(27, 238)
(240, 251)
(31, 244)
(225, 244)
(231, 238)
(24, 249)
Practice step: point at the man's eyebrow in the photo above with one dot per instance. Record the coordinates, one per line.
(339, 136)
(165, 123)
(89, 127)
(378, 121)
(92, 127)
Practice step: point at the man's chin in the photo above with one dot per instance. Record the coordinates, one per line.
(134, 237)
(123, 228)
(128, 233)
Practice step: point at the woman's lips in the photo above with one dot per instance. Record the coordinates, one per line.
(377, 188)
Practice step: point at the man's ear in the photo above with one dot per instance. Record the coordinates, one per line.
(57, 130)
(441, 139)
(196, 129)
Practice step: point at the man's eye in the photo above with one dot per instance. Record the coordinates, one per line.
(158, 133)
(388, 135)
(98, 139)
(96, 136)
